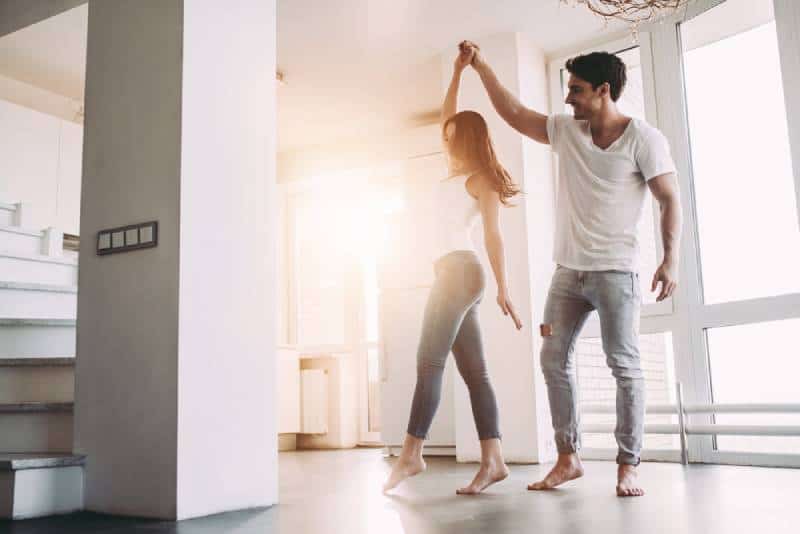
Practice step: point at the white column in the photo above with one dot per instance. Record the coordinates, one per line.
(175, 404)
(513, 356)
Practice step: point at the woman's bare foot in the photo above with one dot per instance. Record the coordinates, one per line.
(402, 469)
(488, 474)
(568, 467)
(626, 482)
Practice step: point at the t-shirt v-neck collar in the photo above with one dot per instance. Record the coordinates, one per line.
(614, 143)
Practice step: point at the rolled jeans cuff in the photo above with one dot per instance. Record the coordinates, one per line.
(624, 458)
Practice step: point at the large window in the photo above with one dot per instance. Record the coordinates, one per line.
(337, 236)
(756, 362)
(745, 218)
(741, 163)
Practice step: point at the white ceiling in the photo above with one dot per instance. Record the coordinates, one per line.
(50, 54)
(353, 68)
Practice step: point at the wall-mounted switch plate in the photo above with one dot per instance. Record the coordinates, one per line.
(103, 241)
(132, 236)
(125, 238)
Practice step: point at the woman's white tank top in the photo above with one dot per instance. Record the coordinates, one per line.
(456, 214)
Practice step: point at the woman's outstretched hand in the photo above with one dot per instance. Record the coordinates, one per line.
(464, 58)
(508, 309)
(474, 52)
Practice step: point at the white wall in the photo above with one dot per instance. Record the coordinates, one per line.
(175, 388)
(126, 391)
(350, 154)
(540, 223)
(38, 99)
(227, 433)
(40, 155)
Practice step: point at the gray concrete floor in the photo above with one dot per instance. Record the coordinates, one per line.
(339, 492)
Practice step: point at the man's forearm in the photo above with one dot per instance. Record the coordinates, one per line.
(505, 103)
(671, 222)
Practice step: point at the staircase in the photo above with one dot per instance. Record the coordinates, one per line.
(39, 475)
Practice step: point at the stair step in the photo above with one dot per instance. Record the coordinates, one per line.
(37, 322)
(31, 300)
(21, 240)
(38, 257)
(40, 484)
(44, 361)
(32, 338)
(39, 268)
(36, 427)
(16, 461)
(33, 286)
(36, 407)
(10, 228)
(37, 380)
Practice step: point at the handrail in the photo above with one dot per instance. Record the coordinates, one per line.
(683, 428)
(672, 409)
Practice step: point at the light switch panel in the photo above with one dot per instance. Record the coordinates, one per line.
(132, 236)
(146, 234)
(103, 241)
(125, 238)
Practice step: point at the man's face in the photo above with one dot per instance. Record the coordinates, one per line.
(584, 100)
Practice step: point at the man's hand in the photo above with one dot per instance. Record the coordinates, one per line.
(476, 59)
(668, 276)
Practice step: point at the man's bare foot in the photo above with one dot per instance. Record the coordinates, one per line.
(626, 482)
(402, 469)
(568, 467)
(487, 475)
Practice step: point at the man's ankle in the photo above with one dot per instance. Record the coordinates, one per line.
(569, 458)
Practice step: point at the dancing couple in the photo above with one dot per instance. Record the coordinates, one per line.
(607, 161)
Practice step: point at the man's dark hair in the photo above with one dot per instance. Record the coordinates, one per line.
(598, 68)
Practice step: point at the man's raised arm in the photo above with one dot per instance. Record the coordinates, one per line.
(525, 120)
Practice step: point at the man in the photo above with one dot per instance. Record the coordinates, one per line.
(606, 162)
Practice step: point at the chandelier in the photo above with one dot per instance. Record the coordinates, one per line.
(634, 12)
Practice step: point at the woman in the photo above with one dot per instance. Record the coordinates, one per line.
(477, 185)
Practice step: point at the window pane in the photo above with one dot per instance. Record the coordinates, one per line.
(756, 363)
(743, 182)
(631, 103)
(321, 269)
(597, 386)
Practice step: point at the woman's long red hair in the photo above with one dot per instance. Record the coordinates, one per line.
(472, 146)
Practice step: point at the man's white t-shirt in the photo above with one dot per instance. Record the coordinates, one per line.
(601, 193)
